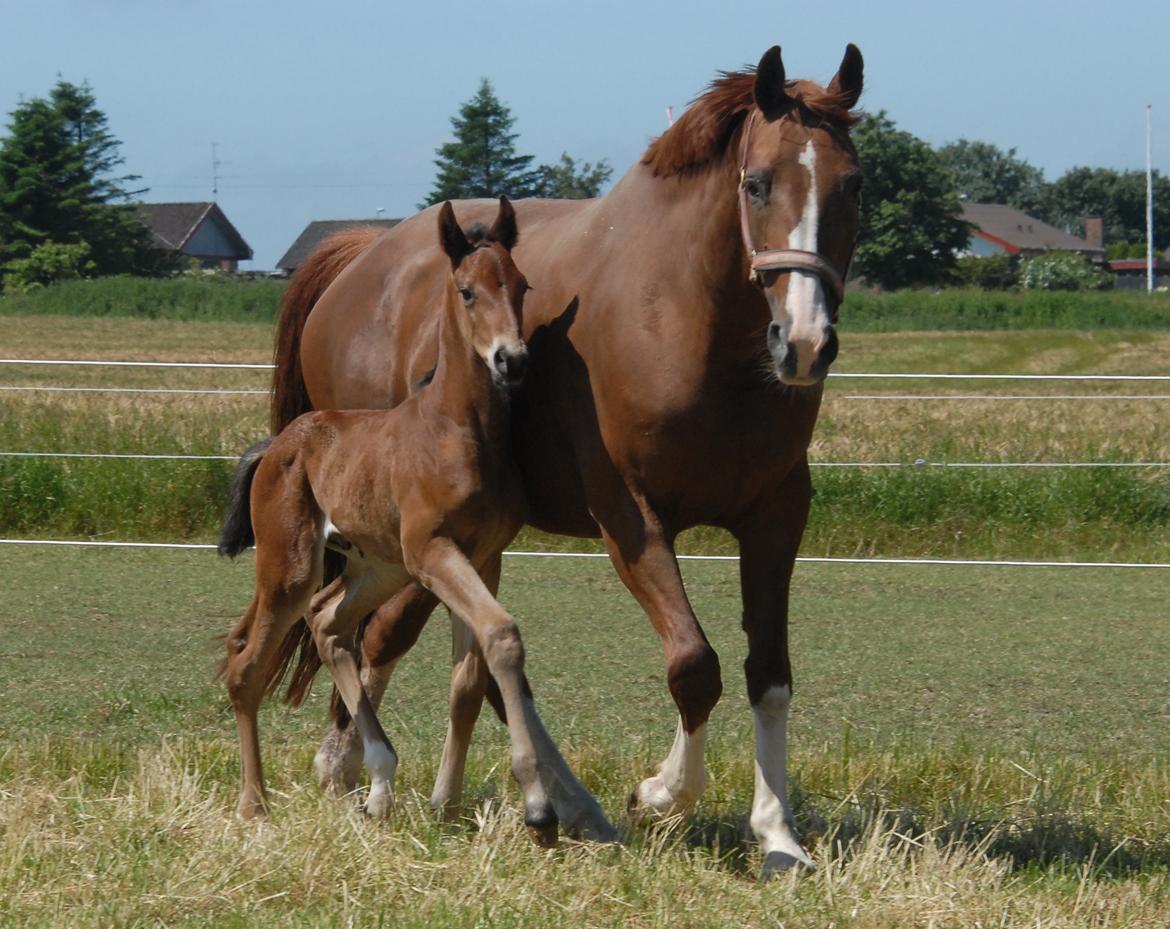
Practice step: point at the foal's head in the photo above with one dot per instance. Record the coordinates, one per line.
(486, 284)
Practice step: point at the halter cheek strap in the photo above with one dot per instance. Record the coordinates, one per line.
(781, 259)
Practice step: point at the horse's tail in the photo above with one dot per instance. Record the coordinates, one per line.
(289, 397)
(236, 534)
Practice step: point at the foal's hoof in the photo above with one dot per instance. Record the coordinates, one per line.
(777, 862)
(542, 828)
(379, 804)
(249, 810)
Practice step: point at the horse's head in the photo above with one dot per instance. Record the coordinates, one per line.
(487, 285)
(800, 190)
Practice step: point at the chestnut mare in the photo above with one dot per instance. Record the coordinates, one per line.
(425, 491)
(679, 330)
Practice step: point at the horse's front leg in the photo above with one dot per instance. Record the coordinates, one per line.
(643, 554)
(767, 555)
(543, 775)
(391, 631)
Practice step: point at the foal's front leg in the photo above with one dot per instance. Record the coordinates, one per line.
(334, 622)
(536, 762)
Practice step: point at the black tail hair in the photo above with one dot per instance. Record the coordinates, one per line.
(236, 534)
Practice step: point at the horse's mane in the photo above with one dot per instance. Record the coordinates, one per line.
(704, 131)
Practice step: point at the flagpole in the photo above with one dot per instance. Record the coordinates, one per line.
(1149, 207)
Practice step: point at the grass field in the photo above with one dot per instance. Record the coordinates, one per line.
(970, 747)
(1102, 514)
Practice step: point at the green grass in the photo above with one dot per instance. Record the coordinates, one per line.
(968, 745)
(1106, 514)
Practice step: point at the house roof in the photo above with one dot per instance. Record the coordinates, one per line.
(317, 231)
(173, 225)
(1016, 231)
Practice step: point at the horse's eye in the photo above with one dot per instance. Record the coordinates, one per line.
(758, 186)
(467, 294)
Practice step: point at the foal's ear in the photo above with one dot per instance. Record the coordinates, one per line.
(451, 237)
(504, 229)
(771, 97)
(849, 77)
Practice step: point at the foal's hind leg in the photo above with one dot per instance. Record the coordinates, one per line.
(390, 633)
(334, 623)
(252, 651)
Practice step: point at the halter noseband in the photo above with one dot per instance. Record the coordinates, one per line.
(781, 259)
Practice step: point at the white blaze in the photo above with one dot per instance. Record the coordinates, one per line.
(805, 305)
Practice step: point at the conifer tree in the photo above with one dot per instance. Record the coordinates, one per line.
(482, 159)
(58, 188)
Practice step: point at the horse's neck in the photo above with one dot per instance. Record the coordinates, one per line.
(462, 389)
(696, 225)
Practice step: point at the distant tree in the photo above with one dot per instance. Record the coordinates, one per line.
(568, 181)
(994, 272)
(910, 217)
(986, 173)
(57, 187)
(482, 159)
(1119, 198)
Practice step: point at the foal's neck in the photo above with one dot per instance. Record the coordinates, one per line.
(462, 388)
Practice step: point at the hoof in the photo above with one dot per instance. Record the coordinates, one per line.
(542, 828)
(652, 802)
(778, 862)
(379, 805)
(248, 810)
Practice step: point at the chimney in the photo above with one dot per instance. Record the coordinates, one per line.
(1095, 232)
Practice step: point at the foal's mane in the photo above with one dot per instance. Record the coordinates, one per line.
(703, 133)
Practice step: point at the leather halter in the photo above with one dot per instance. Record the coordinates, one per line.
(782, 259)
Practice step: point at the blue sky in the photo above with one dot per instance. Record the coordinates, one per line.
(321, 114)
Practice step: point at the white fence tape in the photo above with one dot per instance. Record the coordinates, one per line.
(812, 559)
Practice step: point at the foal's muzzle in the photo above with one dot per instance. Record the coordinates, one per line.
(509, 366)
(787, 360)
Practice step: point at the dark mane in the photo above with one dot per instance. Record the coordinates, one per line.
(704, 131)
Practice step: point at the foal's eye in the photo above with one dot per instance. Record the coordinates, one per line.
(467, 294)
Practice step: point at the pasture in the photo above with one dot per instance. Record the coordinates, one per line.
(970, 746)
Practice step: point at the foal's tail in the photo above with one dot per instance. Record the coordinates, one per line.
(289, 397)
(236, 534)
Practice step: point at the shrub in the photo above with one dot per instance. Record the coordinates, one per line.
(1062, 271)
(995, 272)
(49, 262)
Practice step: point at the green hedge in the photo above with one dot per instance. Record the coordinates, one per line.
(228, 299)
(212, 297)
(923, 310)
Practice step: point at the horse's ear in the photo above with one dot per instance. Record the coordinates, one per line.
(504, 229)
(771, 97)
(849, 77)
(451, 237)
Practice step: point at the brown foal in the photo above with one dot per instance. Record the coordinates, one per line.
(426, 491)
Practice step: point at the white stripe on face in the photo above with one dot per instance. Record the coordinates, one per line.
(804, 288)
